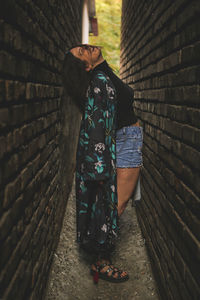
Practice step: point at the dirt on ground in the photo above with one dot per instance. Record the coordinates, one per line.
(70, 277)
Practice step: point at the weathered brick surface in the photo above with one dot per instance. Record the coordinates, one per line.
(160, 59)
(38, 135)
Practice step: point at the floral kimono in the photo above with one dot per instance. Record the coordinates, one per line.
(96, 191)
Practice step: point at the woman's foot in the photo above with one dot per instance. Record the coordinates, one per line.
(105, 270)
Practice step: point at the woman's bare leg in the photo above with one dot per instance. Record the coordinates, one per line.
(126, 182)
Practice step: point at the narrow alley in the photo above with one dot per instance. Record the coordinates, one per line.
(69, 276)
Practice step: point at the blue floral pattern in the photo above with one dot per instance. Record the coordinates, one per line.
(96, 154)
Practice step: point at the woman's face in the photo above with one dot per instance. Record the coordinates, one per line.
(90, 54)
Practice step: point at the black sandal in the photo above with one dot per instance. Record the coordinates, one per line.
(105, 275)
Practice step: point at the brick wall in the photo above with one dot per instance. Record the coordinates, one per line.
(160, 59)
(38, 133)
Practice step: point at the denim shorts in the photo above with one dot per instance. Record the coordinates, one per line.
(129, 141)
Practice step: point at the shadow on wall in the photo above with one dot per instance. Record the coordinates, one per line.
(70, 124)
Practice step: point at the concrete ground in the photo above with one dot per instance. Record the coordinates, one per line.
(70, 279)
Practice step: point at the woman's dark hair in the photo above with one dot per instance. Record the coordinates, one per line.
(75, 79)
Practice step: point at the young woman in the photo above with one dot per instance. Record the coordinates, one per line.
(96, 95)
(129, 140)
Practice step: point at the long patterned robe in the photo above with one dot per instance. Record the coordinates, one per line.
(96, 154)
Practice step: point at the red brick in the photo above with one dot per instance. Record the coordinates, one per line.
(11, 191)
(160, 60)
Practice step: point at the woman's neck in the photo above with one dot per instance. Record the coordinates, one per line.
(98, 62)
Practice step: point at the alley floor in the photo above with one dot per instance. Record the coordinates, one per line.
(70, 279)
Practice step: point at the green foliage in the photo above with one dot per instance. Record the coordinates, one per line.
(109, 19)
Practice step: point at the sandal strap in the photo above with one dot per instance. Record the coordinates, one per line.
(109, 274)
(109, 269)
(118, 274)
(96, 266)
(114, 271)
(101, 266)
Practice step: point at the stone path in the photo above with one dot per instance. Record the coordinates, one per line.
(70, 280)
